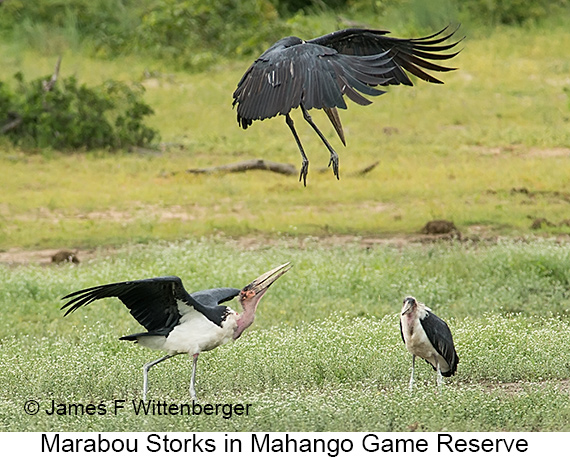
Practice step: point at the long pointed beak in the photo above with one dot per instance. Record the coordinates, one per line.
(261, 284)
(332, 113)
(408, 305)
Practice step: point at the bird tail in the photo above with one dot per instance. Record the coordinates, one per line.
(137, 336)
(332, 113)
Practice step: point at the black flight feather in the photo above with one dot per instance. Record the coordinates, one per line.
(441, 339)
(155, 302)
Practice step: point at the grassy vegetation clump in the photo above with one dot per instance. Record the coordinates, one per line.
(65, 115)
(194, 34)
(513, 11)
(104, 27)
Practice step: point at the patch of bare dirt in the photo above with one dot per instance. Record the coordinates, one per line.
(522, 151)
(475, 234)
(548, 152)
(485, 150)
(158, 213)
(517, 388)
(17, 256)
(44, 256)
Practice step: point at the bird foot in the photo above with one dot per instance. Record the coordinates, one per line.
(334, 162)
(304, 172)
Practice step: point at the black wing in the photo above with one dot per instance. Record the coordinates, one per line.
(210, 300)
(441, 339)
(154, 302)
(316, 76)
(407, 54)
(215, 297)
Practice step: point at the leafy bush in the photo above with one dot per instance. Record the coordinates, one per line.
(511, 11)
(292, 6)
(194, 33)
(106, 23)
(188, 30)
(69, 115)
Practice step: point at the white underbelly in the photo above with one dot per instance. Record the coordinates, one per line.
(419, 344)
(194, 334)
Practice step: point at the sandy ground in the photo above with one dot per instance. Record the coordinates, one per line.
(18, 256)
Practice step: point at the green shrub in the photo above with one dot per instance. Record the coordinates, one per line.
(109, 24)
(292, 6)
(188, 30)
(511, 11)
(71, 115)
(195, 33)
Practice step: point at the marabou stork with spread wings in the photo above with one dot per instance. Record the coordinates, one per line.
(178, 322)
(318, 73)
(427, 336)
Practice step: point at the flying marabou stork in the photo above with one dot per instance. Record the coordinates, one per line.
(318, 73)
(427, 336)
(178, 322)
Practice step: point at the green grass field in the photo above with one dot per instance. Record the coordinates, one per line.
(488, 150)
(461, 151)
(325, 352)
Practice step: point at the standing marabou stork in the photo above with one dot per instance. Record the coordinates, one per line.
(178, 322)
(318, 73)
(427, 336)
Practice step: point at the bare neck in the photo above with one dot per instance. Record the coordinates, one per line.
(245, 319)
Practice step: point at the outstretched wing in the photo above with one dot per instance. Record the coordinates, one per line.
(156, 303)
(412, 55)
(441, 339)
(287, 75)
(210, 300)
(215, 297)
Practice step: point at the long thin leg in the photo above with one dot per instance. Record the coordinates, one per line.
(193, 378)
(147, 367)
(334, 156)
(411, 386)
(305, 164)
(439, 376)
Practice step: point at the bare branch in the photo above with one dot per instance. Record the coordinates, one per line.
(49, 85)
(367, 169)
(254, 164)
(12, 124)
